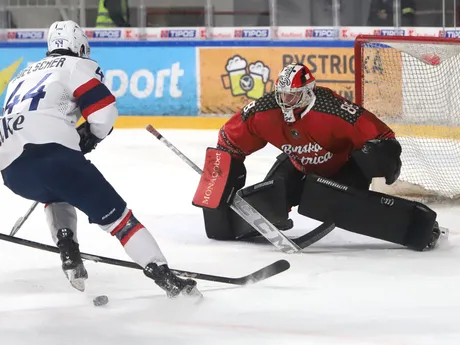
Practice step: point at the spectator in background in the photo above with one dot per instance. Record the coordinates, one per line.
(381, 13)
(5, 19)
(113, 13)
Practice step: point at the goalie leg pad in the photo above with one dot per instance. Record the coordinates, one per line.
(273, 198)
(280, 167)
(268, 198)
(218, 224)
(368, 213)
(284, 169)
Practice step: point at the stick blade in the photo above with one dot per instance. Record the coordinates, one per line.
(315, 235)
(264, 273)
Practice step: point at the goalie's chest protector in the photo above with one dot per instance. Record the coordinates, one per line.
(307, 142)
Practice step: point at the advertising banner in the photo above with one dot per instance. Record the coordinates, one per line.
(145, 80)
(13, 60)
(234, 33)
(151, 80)
(233, 76)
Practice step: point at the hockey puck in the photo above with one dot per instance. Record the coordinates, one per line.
(100, 300)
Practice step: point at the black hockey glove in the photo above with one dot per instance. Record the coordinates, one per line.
(88, 141)
(380, 158)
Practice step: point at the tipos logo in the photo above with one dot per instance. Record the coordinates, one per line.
(252, 81)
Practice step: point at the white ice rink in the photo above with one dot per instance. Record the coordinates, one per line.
(345, 290)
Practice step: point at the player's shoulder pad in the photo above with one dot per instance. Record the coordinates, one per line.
(264, 103)
(328, 102)
(89, 68)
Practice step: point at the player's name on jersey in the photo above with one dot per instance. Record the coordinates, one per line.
(49, 63)
(10, 125)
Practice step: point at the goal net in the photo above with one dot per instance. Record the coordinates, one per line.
(413, 84)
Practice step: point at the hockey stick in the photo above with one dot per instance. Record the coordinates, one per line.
(22, 220)
(315, 235)
(253, 217)
(255, 277)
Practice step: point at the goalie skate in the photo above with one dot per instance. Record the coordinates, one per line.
(440, 236)
(72, 264)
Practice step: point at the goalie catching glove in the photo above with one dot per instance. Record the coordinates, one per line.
(380, 158)
(222, 177)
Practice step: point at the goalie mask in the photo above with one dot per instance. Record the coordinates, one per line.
(294, 89)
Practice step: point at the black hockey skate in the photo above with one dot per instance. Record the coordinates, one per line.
(169, 282)
(72, 264)
(439, 236)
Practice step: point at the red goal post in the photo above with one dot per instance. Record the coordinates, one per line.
(413, 84)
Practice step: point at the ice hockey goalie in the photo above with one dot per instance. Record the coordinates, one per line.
(331, 150)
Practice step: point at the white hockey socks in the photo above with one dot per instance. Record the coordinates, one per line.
(139, 244)
(60, 215)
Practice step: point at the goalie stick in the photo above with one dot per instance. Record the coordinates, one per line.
(255, 277)
(253, 217)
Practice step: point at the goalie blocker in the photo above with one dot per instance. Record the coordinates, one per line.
(222, 176)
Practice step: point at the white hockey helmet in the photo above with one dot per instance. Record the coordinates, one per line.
(67, 35)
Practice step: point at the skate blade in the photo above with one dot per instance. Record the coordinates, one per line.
(76, 279)
(78, 284)
(443, 237)
(192, 292)
(188, 293)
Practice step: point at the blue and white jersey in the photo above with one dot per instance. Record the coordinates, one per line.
(45, 100)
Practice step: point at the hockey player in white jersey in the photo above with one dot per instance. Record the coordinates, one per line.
(42, 155)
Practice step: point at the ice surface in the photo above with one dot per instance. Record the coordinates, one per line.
(346, 289)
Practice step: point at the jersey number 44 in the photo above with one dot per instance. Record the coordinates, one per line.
(36, 93)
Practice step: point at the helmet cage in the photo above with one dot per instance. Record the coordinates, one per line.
(294, 98)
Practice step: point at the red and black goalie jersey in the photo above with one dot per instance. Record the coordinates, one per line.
(320, 141)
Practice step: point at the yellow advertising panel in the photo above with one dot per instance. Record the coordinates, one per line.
(7, 73)
(230, 77)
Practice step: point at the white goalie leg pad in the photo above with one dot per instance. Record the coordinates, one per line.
(60, 215)
(139, 244)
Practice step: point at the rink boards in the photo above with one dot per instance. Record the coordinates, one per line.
(198, 84)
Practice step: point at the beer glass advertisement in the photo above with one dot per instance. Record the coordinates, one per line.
(233, 76)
